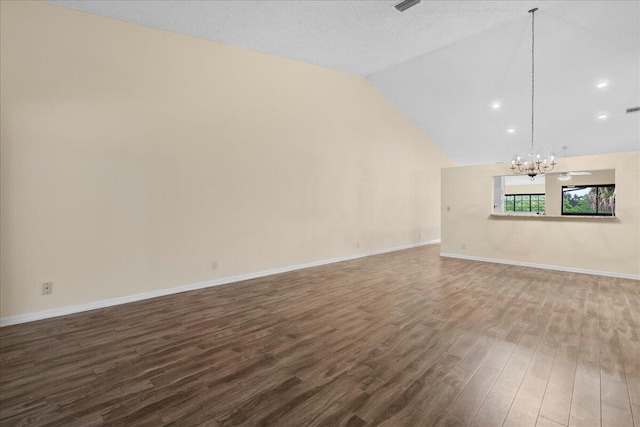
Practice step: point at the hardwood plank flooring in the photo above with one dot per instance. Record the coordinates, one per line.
(400, 339)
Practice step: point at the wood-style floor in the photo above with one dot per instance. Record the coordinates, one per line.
(400, 339)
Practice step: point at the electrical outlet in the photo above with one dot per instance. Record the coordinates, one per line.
(47, 288)
(214, 265)
(419, 235)
(358, 244)
(464, 246)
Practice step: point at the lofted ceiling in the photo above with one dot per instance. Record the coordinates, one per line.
(444, 63)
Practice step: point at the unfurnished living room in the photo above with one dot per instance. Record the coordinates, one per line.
(320, 213)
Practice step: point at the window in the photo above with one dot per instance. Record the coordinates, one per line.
(524, 203)
(589, 200)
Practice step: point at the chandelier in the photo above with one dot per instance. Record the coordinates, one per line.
(535, 164)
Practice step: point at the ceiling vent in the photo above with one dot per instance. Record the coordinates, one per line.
(406, 4)
(633, 110)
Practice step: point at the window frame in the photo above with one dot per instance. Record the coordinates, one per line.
(538, 211)
(581, 186)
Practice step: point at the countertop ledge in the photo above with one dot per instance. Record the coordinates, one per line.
(564, 217)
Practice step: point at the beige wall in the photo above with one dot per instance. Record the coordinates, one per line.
(132, 158)
(590, 244)
(524, 189)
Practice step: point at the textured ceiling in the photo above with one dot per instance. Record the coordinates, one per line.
(448, 93)
(444, 62)
(353, 35)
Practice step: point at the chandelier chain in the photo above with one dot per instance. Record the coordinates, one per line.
(533, 67)
(535, 164)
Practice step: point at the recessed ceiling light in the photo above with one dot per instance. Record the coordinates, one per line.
(511, 130)
(602, 116)
(602, 84)
(495, 105)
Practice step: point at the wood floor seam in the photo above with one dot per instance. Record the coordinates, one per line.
(399, 339)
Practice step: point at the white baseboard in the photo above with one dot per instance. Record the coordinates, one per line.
(544, 266)
(62, 311)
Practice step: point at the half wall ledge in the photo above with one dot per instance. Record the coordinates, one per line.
(581, 218)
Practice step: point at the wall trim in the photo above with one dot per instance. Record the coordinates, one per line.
(543, 266)
(62, 311)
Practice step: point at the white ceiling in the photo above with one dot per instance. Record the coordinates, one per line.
(444, 62)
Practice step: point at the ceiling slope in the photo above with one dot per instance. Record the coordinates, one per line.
(444, 62)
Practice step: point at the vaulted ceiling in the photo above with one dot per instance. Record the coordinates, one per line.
(446, 63)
